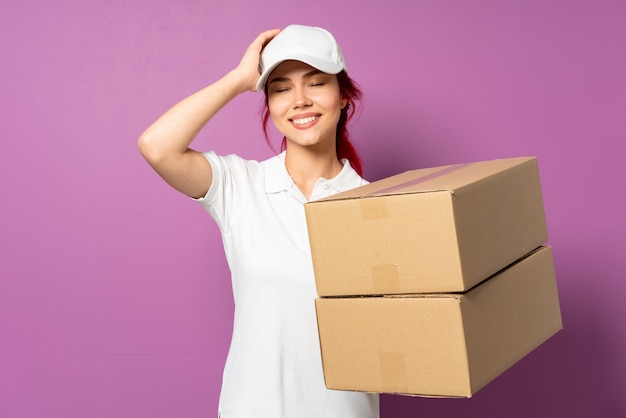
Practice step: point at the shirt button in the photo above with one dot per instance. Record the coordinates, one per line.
(326, 187)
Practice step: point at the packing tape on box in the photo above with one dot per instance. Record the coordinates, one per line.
(393, 372)
(385, 278)
(373, 209)
(422, 179)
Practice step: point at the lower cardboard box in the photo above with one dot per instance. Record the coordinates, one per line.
(439, 345)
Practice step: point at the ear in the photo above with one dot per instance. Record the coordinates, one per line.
(344, 102)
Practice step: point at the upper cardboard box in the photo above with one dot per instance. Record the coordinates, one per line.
(441, 229)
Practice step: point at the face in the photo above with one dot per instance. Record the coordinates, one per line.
(305, 105)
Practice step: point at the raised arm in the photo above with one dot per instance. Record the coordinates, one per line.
(165, 144)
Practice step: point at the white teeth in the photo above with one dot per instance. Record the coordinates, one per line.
(304, 120)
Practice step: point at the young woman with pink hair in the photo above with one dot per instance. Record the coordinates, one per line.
(273, 368)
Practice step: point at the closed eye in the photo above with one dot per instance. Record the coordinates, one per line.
(280, 89)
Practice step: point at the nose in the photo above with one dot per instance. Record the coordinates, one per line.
(301, 99)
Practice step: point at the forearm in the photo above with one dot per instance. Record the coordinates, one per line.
(174, 131)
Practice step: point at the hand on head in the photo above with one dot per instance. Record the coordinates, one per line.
(249, 64)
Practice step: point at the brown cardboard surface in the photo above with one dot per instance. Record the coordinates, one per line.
(441, 229)
(444, 345)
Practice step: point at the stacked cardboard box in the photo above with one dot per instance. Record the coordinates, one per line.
(435, 281)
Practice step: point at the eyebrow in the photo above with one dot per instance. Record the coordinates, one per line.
(307, 75)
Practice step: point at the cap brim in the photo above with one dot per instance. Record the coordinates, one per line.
(322, 65)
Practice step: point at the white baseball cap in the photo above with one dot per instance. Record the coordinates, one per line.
(309, 44)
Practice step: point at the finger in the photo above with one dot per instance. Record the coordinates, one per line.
(267, 36)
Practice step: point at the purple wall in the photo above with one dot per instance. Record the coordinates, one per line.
(114, 293)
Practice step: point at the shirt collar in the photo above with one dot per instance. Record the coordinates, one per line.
(277, 178)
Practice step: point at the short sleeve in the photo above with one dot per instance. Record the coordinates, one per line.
(233, 184)
(214, 201)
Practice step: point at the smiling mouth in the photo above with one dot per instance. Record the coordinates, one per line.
(303, 121)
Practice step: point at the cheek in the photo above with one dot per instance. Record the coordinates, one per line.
(334, 101)
(337, 106)
(276, 107)
(276, 122)
(276, 117)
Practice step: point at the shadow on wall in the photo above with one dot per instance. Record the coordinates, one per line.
(572, 375)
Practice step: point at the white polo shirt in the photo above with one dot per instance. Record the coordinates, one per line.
(274, 368)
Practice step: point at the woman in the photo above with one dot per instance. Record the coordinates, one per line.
(273, 367)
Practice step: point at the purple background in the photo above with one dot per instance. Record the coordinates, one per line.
(115, 298)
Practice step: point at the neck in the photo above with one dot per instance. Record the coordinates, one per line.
(306, 167)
